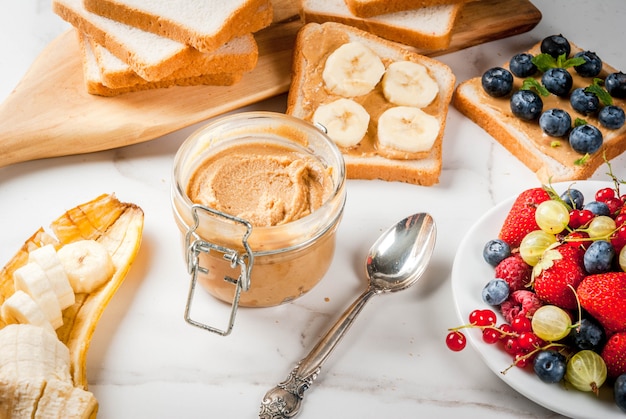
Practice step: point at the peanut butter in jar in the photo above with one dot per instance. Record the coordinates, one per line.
(285, 179)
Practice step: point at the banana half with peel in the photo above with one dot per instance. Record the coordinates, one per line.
(52, 295)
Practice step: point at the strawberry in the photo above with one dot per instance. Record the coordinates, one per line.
(514, 271)
(557, 270)
(521, 218)
(614, 355)
(604, 297)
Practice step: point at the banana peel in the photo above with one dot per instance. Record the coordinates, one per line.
(118, 226)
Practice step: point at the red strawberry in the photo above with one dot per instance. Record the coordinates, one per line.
(556, 271)
(604, 297)
(614, 355)
(521, 218)
(514, 271)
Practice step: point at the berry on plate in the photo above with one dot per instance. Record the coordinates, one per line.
(614, 355)
(604, 297)
(515, 272)
(557, 275)
(521, 218)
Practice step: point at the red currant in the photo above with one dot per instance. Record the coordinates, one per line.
(491, 335)
(482, 317)
(521, 324)
(505, 330)
(604, 194)
(529, 341)
(577, 239)
(511, 345)
(579, 218)
(456, 341)
(521, 360)
(614, 205)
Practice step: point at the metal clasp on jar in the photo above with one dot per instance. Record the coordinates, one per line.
(195, 245)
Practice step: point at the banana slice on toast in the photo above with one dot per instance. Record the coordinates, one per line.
(116, 228)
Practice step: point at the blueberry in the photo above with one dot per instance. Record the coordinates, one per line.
(555, 122)
(612, 117)
(598, 208)
(497, 82)
(585, 139)
(526, 105)
(574, 198)
(496, 292)
(495, 251)
(584, 102)
(587, 335)
(615, 84)
(592, 65)
(558, 81)
(555, 45)
(619, 392)
(550, 366)
(599, 257)
(522, 65)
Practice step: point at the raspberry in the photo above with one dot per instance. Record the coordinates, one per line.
(520, 303)
(515, 272)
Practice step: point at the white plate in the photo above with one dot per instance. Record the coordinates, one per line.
(469, 275)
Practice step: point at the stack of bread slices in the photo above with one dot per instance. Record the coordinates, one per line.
(423, 24)
(132, 45)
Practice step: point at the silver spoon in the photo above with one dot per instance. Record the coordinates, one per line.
(395, 261)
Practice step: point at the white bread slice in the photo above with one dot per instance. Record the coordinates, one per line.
(369, 8)
(236, 56)
(313, 45)
(205, 25)
(428, 28)
(151, 56)
(95, 86)
(526, 141)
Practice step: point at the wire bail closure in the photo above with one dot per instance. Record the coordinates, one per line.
(196, 245)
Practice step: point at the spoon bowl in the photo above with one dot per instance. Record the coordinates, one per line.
(395, 262)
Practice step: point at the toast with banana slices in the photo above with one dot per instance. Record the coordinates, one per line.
(384, 105)
(52, 295)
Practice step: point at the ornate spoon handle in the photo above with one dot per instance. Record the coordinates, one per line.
(284, 400)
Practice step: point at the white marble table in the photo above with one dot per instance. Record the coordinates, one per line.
(146, 362)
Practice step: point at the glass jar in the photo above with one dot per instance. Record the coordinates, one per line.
(256, 266)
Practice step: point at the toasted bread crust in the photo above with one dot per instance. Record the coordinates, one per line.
(304, 97)
(252, 16)
(524, 140)
(409, 36)
(370, 8)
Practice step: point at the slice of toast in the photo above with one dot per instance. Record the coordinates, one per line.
(428, 28)
(370, 8)
(204, 25)
(552, 159)
(236, 56)
(95, 85)
(314, 43)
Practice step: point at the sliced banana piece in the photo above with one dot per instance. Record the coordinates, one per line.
(32, 279)
(61, 399)
(87, 263)
(352, 70)
(407, 128)
(46, 257)
(30, 351)
(345, 121)
(20, 308)
(407, 83)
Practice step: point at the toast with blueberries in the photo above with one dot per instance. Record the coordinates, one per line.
(558, 108)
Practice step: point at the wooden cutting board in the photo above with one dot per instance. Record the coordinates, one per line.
(50, 114)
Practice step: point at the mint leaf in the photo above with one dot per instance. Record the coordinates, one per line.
(579, 121)
(531, 83)
(571, 62)
(581, 161)
(544, 62)
(597, 89)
